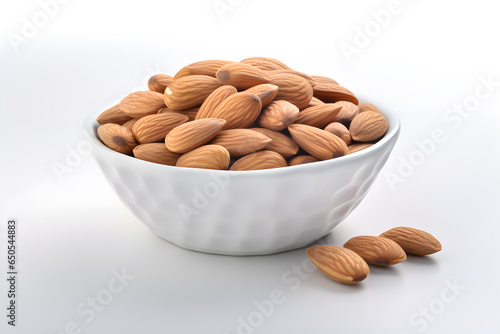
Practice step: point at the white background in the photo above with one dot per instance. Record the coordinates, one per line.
(74, 233)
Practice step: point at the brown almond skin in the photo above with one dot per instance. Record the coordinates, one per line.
(239, 110)
(293, 89)
(280, 143)
(130, 124)
(329, 92)
(154, 128)
(319, 116)
(158, 82)
(260, 160)
(113, 115)
(157, 153)
(323, 79)
(340, 264)
(117, 138)
(265, 63)
(353, 148)
(347, 112)
(142, 103)
(241, 76)
(265, 92)
(190, 135)
(318, 143)
(300, 74)
(206, 157)
(239, 142)
(302, 159)
(278, 115)
(368, 126)
(204, 67)
(340, 131)
(190, 113)
(214, 100)
(413, 241)
(367, 107)
(378, 251)
(314, 102)
(190, 91)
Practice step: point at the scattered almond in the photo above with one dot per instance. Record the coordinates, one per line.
(239, 110)
(413, 241)
(204, 67)
(340, 264)
(319, 116)
(367, 107)
(293, 89)
(214, 100)
(378, 251)
(330, 92)
(265, 63)
(265, 92)
(190, 91)
(280, 143)
(347, 112)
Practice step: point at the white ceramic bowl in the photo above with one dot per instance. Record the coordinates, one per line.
(243, 212)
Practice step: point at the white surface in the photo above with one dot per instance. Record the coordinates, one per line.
(73, 233)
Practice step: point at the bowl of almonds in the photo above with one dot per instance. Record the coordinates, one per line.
(242, 158)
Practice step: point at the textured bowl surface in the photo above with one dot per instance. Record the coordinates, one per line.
(243, 212)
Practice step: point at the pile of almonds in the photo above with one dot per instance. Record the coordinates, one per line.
(349, 264)
(254, 114)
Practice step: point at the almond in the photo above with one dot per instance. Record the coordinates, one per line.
(190, 135)
(318, 143)
(241, 76)
(319, 116)
(204, 67)
(340, 131)
(315, 102)
(378, 251)
(413, 241)
(157, 153)
(190, 113)
(265, 64)
(260, 160)
(239, 110)
(130, 124)
(113, 115)
(367, 107)
(190, 91)
(117, 138)
(302, 159)
(154, 128)
(140, 104)
(347, 113)
(240, 142)
(265, 92)
(353, 148)
(290, 71)
(214, 100)
(158, 82)
(330, 92)
(278, 115)
(207, 157)
(280, 143)
(368, 126)
(340, 264)
(293, 89)
(324, 80)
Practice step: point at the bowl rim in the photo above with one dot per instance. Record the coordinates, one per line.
(90, 131)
